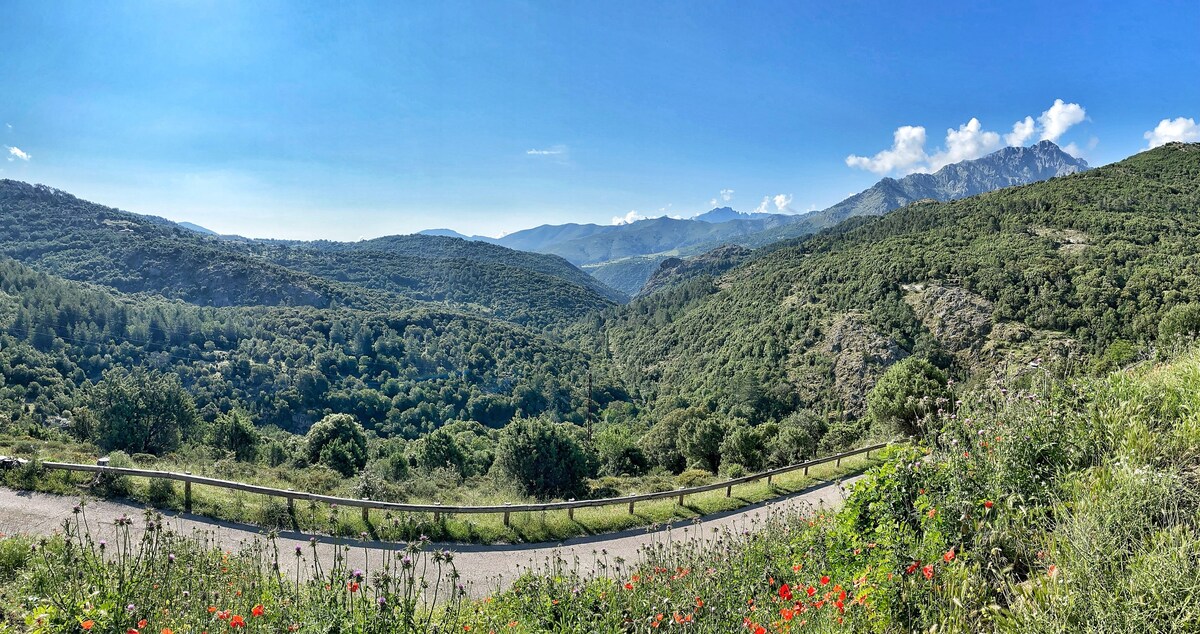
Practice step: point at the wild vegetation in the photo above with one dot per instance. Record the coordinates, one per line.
(1053, 504)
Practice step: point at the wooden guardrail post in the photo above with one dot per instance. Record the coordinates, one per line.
(729, 490)
(680, 499)
(631, 507)
(187, 494)
(437, 515)
(366, 512)
(769, 479)
(291, 505)
(571, 510)
(506, 523)
(805, 469)
(839, 462)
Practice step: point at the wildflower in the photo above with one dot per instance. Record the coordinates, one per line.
(932, 513)
(257, 610)
(353, 585)
(825, 580)
(237, 621)
(785, 592)
(949, 556)
(811, 591)
(87, 625)
(699, 602)
(628, 586)
(988, 504)
(1052, 571)
(167, 630)
(141, 624)
(131, 631)
(927, 570)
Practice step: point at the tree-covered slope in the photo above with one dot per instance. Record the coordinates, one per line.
(525, 288)
(1072, 264)
(399, 372)
(59, 233)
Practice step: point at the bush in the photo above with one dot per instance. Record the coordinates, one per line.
(544, 459)
(905, 393)
(700, 442)
(142, 411)
(745, 446)
(160, 492)
(694, 478)
(338, 442)
(660, 448)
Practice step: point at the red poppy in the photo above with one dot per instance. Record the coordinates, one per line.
(988, 504)
(912, 567)
(825, 580)
(131, 631)
(785, 592)
(353, 585)
(811, 591)
(87, 625)
(760, 630)
(257, 610)
(237, 621)
(629, 586)
(927, 571)
(949, 556)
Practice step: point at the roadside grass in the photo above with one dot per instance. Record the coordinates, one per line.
(524, 527)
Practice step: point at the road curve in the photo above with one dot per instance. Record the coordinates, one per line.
(483, 569)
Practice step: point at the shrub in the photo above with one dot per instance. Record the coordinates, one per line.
(1182, 321)
(544, 459)
(905, 393)
(338, 442)
(160, 492)
(700, 442)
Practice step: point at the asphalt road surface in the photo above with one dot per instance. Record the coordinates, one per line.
(483, 569)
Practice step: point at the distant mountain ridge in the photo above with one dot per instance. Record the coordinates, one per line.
(1007, 167)
(58, 233)
(625, 256)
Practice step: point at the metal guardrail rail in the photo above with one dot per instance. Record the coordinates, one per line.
(437, 509)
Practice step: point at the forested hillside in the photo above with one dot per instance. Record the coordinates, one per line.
(64, 235)
(1072, 268)
(401, 373)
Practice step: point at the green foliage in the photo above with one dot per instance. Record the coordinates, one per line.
(906, 393)
(235, 432)
(142, 411)
(439, 450)
(1180, 321)
(1093, 257)
(338, 442)
(744, 445)
(619, 453)
(699, 437)
(545, 459)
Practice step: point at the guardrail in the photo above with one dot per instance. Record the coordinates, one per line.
(437, 509)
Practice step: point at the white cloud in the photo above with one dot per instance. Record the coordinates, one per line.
(8, 125)
(764, 207)
(712, 203)
(1022, 131)
(17, 153)
(1177, 129)
(908, 150)
(726, 195)
(629, 218)
(782, 201)
(969, 141)
(1059, 118)
(554, 150)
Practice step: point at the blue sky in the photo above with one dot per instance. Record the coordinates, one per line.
(345, 120)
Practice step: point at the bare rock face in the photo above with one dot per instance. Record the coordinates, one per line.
(860, 356)
(959, 319)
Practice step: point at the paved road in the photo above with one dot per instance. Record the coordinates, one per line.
(482, 568)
